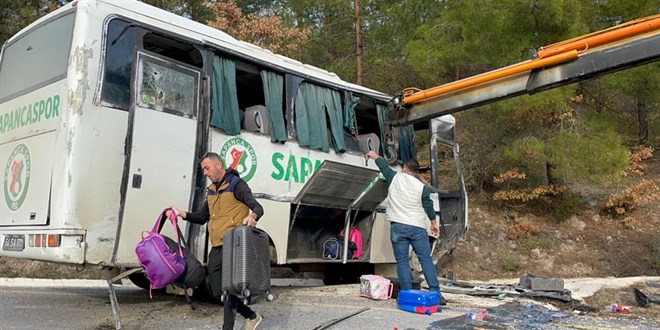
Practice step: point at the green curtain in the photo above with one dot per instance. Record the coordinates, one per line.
(224, 100)
(407, 148)
(273, 91)
(383, 117)
(312, 104)
(350, 122)
(334, 111)
(310, 118)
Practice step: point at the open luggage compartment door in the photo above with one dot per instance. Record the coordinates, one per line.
(338, 185)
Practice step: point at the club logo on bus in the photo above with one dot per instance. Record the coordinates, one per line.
(17, 177)
(239, 155)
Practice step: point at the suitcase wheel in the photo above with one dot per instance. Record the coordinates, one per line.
(269, 297)
(245, 292)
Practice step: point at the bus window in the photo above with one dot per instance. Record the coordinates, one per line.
(318, 115)
(119, 48)
(166, 86)
(172, 48)
(249, 87)
(253, 85)
(37, 58)
(366, 119)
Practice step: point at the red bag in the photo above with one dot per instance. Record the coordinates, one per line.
(355, 236)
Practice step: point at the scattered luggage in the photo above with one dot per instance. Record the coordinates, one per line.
(195, 271)
(334, 247)
(162, 265)
(355, 238)
(375, 287)
(246, 263)
(419, 301)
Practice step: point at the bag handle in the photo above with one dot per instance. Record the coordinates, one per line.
(158, 226)
(389, 295)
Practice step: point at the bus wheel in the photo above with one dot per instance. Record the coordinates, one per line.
(205, 292)
(345, 274)
(140, 280)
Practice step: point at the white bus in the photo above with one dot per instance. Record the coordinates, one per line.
(107, 106)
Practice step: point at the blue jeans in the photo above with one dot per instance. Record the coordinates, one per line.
(403, 236)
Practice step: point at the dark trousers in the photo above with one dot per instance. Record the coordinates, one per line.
(234, 304)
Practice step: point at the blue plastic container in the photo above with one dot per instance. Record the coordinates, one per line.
(419, 301)
(418, 298)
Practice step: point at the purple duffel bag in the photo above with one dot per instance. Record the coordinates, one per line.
(161, 265)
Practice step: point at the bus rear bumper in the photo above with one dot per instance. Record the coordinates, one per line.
(59, 246)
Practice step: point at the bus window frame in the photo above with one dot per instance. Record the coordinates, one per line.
(47, 82)
(141, 29)
(164, 61)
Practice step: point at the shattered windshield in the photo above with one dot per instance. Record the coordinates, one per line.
(162, 87)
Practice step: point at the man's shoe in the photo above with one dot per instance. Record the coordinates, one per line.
(442, 301)
(251, 324)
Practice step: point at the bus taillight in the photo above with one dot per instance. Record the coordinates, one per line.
(53, 240)
(44, 240)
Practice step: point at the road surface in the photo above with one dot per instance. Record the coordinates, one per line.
(76, 304)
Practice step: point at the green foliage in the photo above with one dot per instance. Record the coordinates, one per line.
(655, 250)
(595, 155)
(527, 245)
(565, 206)
(510, 265)
(15, 15)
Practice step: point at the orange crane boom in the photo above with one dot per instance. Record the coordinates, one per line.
(624, 46)
(547, 56)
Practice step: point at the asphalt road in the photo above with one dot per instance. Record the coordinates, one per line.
(86, 305)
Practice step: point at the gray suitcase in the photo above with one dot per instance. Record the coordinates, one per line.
(246, 263)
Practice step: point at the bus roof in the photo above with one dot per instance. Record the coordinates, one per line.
(222, 40)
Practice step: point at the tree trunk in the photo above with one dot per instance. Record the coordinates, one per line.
(359, 45)
(642, 120)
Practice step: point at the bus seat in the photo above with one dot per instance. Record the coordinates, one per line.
(369, 142)
(256, 120)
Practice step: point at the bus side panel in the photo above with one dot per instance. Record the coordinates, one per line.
(26, 154)
(275, 223)
(273, 168)
(95, 138)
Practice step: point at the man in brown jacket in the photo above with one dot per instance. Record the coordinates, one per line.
(228, 204)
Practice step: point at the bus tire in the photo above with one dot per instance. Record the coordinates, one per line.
(141, 281)
(205, 292)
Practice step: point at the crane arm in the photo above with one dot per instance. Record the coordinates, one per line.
(586, 57)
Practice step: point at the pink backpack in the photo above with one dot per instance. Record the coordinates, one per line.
(355, 236)
(375, 287)
(161, 265)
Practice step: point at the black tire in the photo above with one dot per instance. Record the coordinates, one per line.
(345, 274)
(205, 292)
(141, 281)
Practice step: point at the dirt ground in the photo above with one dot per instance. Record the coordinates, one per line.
(589, 244)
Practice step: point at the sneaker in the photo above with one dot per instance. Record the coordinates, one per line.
(251, 324)
(442, 302)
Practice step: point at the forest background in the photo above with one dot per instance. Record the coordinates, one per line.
(561, 183)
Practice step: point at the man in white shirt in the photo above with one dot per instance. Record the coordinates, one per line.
(409, 207)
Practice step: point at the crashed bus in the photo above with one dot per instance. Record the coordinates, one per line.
(107, 106)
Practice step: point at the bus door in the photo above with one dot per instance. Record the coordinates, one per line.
(160, 147)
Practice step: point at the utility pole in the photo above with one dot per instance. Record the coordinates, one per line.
(359, 45)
